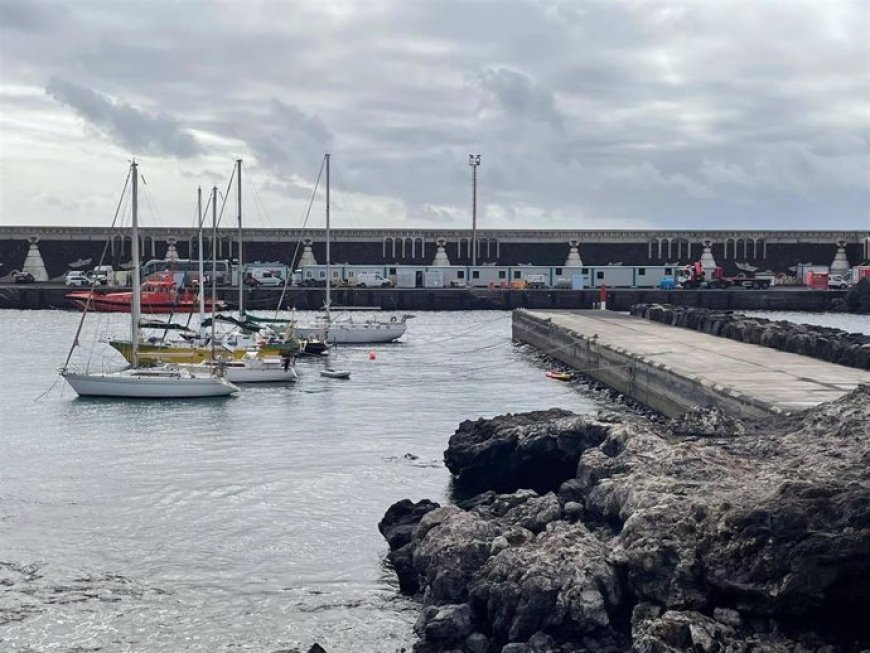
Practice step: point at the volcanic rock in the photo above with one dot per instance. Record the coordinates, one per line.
(758, 541)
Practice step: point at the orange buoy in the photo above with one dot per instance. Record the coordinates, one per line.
(372, 355)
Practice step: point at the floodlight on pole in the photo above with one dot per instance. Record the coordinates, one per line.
(474, 161)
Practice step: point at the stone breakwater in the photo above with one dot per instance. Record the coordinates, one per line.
(825, 343)
(601, 534)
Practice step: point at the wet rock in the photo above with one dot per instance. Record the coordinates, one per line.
(445, 625)
(706, 422)
(535, 450)
(399, 527)
(400, 521)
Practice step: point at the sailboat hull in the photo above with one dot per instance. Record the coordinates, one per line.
(141, 386)
(253, 370)
(188, 354)
(356, 333)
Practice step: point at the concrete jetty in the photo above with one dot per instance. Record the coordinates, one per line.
(671, 369)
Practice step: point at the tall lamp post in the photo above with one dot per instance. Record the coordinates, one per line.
(474, 161)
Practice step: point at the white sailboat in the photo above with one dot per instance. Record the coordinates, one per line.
(345, 329)
(253, 368)
(234, 344)
(159, 382)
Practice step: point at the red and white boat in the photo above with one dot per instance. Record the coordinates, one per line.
(160, 294)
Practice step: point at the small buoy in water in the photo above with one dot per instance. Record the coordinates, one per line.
(372, 356)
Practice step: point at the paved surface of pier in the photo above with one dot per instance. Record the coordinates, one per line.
(672, 358)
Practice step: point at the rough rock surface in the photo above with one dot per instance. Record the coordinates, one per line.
(857, 299)
(825, 343)
(650, 541)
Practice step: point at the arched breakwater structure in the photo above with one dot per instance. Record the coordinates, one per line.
(63, 248)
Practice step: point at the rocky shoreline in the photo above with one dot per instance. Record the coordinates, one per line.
(612, 534)
(825, 343)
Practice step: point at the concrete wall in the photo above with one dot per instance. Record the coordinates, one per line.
(647, 381)
(453, 299)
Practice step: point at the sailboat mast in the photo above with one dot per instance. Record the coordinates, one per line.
(201, 263)
(136, 304)
(241, 268)
(214, 192)
(328, 239)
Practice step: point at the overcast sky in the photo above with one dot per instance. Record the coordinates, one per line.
(586, 115)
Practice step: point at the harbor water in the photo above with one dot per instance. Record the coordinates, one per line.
(248, 523)
(241, 524)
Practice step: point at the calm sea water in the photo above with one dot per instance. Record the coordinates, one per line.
(241, 524)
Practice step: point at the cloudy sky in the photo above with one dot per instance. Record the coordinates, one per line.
(643, 114)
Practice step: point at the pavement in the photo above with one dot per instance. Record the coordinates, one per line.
(791, 382)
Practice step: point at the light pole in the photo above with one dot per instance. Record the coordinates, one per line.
(474, 161)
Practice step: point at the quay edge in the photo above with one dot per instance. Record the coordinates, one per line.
(671, 370)
(51, 295)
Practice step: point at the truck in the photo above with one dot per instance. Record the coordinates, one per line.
(535, 281)
(695, 276)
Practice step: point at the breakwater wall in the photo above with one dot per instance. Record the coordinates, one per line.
(672, 370)
(51, 295)
(824, 343)
(640, 377)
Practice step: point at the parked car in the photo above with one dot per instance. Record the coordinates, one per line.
(839, 281)
(22, 277)
(76, 278)
(269, 278)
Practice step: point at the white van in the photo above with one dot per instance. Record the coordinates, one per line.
(371, 279)
(102, 274)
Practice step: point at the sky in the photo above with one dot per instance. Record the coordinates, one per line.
(586, 115)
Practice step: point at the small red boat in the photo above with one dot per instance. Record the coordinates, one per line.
(159, 294)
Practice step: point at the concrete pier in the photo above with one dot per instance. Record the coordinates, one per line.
(671, 369)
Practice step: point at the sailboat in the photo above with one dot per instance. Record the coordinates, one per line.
(344, 329)
(195, 349)
(159, 382)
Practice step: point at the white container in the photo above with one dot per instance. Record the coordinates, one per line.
(406, 279)
(433, 279)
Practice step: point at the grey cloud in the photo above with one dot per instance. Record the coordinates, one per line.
(129, 127)
(519, 96)
(285, 139)
(665, 113)
(29, 16)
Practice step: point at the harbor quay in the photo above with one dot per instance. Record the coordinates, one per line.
(671, 369)
(53, 295)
